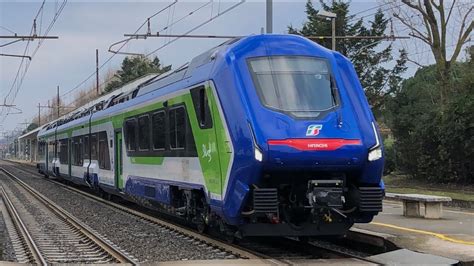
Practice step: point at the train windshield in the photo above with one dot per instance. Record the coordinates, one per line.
(299, 85)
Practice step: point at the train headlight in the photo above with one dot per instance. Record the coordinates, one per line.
(375, 154)
(258, 155)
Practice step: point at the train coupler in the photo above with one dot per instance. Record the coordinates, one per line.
(325, 194)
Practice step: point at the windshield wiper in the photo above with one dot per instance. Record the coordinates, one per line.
(333, 93)
(333, 90)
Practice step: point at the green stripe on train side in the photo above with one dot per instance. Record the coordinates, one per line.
(223, 142)
(147, 160)
(117, 120)
(207, 142)
(212, 144)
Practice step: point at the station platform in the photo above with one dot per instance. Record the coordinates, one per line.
(452, 236)
(29, 163)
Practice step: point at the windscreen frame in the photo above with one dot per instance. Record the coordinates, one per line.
(311, 114)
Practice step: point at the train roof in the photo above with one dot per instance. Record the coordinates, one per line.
(136, 88)
(184, 71)
(153, 82)
(31, 133)
(95, 105)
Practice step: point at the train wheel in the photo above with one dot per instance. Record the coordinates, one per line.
(230, 238)
(108, 196)
(303, 239)
(203, 220)
(202, 227)
(228, 233)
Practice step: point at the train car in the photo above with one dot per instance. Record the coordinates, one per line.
(266, 135)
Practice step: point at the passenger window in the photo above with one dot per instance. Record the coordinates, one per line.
(177, 131)
(86, 147)
(202, 104)
(201, 107)
(77, 151)
(63, 151)
(94, 147)
(144, 133)
(51, 151)
(104, 158)
(130, 134)
(73, 156)
(159, 130)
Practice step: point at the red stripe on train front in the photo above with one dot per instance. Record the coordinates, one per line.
(315, 144)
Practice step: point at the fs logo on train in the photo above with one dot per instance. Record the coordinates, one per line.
(313, 130)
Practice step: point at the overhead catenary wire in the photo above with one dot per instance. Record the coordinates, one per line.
(18, 71)
(121, 47)
(371, 14)
(369, 9)
(33, 30)
(200, 25)
(12, 42)
(165, 28)
(57, 14)
(51, 24)
(7, 29)
(197, 27)
(125, 41)
(18, 81)
(185, 16)
(169, 28)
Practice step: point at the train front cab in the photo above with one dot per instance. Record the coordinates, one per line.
(317, 153)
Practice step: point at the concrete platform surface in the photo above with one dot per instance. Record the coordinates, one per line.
(266, 262)
(451, 236)
(405, 256)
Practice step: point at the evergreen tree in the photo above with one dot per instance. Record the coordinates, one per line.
(378, 73)
(433, 141)
(135, 67)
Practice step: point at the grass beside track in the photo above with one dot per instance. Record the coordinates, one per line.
(406, 185)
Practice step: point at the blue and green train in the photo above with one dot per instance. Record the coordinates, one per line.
(266, 135)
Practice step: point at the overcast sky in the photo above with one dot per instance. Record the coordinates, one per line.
(86, 25)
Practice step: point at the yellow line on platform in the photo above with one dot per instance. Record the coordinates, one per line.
(438, 235)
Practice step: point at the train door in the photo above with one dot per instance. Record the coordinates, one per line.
(208, 144)
(118, 161)
(46, 155)
(69, 156)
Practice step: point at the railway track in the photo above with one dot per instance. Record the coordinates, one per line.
(49, 233)
(281, 250)
(179, 231)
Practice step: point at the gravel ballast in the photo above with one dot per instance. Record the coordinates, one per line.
(145, 241)
(6, 248)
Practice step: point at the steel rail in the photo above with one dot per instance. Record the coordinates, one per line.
(233, 249)
(23, 230)
(345, 254)
(103, 244)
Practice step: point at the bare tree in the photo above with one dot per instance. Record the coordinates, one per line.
(84, 96)
(431, 21)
